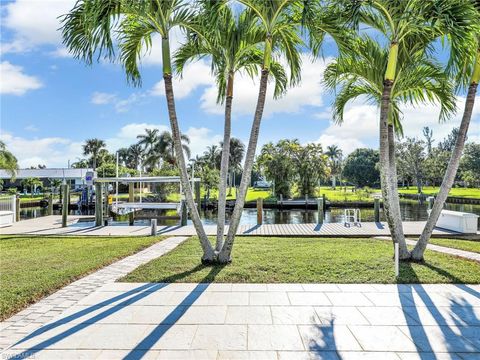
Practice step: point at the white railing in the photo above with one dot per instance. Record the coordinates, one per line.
(7, 210)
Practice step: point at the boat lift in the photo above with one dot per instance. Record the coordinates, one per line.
(129, 207)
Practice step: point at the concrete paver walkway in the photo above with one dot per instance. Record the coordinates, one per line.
(451, 251)
(42, 312)
(263, 321)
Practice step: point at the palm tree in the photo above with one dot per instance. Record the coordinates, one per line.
(420, 80)
(166, 147)
(135, 156)
(409, 27)
(212, 156)
(32, 183)
(123, 156)
(232, 46)
(87, 32)
(468, 75)
(93, 147)
(8, 161)
(334, 154)
(278, 33)
(237, 152)
(148, 139)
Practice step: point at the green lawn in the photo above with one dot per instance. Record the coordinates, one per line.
(33, 267)
(346, 194)
(459, 192)
(467, 245)
(305, 260)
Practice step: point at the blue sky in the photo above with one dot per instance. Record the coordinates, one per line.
(51, 103)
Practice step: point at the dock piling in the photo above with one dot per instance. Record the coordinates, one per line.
(430, 201)
(153, 227)
(17, 208)
(376, 209)
(259, 211)
(183, 213)
(65, 198)
(321, 213)
(98, 204)
(131, 198)
(50, 204)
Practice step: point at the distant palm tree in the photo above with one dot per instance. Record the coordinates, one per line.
(212, 156)
(334, 154)
(149, 139)
(237, 152)
(31, 183)
(135, 156)
(92, 147)
(123, 156)
(8, 161)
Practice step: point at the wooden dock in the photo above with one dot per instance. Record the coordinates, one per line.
(51, 225)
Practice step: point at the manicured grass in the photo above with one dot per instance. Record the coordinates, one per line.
(459, 192)
(345, 194)
(33, 267)
(252, 195)
(467, 245)
(305, 260)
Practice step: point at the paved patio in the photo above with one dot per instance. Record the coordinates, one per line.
(263, 321)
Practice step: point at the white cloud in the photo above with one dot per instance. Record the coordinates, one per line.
(34, 23)
(308, 93)
(101, 98)
(50, 151)
(120, 105)
(360, 127)
(195, 75)
(127, 135)
(14, 81)
(200, 138)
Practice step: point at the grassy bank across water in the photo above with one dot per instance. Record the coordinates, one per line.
(33, 267)
(305, 260)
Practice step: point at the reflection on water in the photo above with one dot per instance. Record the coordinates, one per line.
(411, 211)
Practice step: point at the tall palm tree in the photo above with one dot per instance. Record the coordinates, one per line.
(279, 34)
(166, 146)
(93, 147)
(232, 47)
(361, 73)
(123, 156)
(8, 161)
(409, 27)
(468, 75)
(212, 156)
(334, 154)
(87, 32)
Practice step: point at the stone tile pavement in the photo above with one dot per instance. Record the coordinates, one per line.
(262, 321)
(42, 312)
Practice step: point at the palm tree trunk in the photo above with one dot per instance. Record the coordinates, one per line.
(392, 212)
(222, 188)
(449, 178)
(208, 253)
(395, 206)
(225, 254)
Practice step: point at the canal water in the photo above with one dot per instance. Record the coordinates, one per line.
(411, 211)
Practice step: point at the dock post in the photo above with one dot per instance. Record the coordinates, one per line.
(324, 197)
(430, 201)
(17, 208)
(376, 209)
(66, 195)
(259, 211)
(131, 198)
(153, 227)
(105, 197)
(183, 213)
(306, 201)
(197, 195)
(98, 204)
(50, 204)
(281, 201)
(321, 213)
